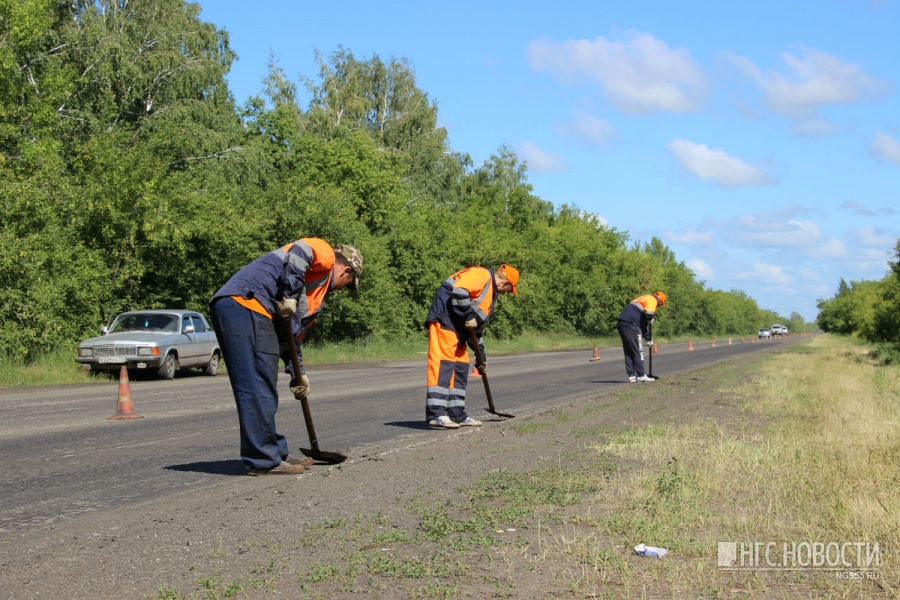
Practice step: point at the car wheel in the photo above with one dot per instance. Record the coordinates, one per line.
(168, 367)
(212, 367)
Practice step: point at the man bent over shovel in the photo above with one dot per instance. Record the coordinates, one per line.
(465, 300)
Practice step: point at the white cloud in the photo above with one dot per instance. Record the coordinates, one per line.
(639, 73)
(815, 128)
(541, 160)
(860, 209)
(872, 237)
(886, 148)
(590, 128)
(831, 248)
(770, 230)
(813, 79)
(771, 274)
(810, 276)
(702, 270)
(716, 164)
(690, 237)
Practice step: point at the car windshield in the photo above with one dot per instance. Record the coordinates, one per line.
(145, 322)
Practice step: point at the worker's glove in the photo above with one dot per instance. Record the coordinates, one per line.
(482, 368)
(650, 343)
(300, 387)
(471, 323)
(286, 308)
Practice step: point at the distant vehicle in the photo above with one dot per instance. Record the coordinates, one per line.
(765, 332)
(165, 340)
(779, 330)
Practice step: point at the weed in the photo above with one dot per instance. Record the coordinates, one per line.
(394, 536)
(594, 433)
(531, 427)
(168, 594)
(320, 572)
(437, 591)
(670, 481)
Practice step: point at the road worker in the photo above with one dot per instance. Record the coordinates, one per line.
(248, 312)
(634, 329)
(465, 300)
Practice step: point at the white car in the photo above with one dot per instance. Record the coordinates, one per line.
(164, 340)
(779, 330)
(765, 332)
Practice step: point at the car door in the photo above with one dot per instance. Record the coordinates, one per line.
(187, 346)
(205, 339)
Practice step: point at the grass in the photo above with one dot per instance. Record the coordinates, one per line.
(54, 368)
(823, 470)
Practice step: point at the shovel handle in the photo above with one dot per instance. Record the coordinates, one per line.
(479, 360)
(295, 361)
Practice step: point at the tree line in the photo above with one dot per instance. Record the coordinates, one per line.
(130, 178)
(867, 309)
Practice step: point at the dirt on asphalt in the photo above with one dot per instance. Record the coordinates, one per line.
(434, 519)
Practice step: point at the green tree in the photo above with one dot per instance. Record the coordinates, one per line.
(886, 325)
(114, 119)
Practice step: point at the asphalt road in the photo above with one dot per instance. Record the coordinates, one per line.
(60, 456)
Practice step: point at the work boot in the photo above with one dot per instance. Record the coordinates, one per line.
(298, 460)
(444, 422)
(469, 422)
(285, 468)
(644, 378)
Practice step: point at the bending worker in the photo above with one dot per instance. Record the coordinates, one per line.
(465, 300)
(289, 283)
(634, 328)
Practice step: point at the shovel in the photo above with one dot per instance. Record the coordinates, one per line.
(314, 452)
(479, 360)
(650, 365)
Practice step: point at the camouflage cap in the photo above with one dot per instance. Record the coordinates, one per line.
(354, 258)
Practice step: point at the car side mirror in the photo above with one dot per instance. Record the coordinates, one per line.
(188, 329)
(104, 329)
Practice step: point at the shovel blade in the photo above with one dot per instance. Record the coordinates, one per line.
(500, 414)
(331, 458)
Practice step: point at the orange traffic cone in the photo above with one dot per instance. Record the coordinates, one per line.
(742, 339)
(690, 345)
(474, 372)
(655, 348)
(125, 406)
(596, 355)
(729, 341)
(714, 342)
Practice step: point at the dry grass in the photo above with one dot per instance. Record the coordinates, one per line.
(824, 469)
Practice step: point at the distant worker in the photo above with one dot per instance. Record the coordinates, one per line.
(634, 328)
(465, 300)
(289, 283)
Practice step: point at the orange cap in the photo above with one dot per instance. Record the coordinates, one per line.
(511, 274)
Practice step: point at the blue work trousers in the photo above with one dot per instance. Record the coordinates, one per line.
(633, 346)
(250, 348)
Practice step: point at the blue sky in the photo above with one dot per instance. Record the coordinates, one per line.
(759, 141)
